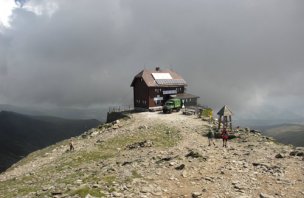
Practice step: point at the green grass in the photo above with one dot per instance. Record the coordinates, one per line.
(39, 153)
(86, 190)
(26, 189)
(109, 179)
(160, 135)
(135, 174)
(20, 185)
(94, 155)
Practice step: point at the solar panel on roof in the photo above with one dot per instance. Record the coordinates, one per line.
(170, 81)
(158, 76)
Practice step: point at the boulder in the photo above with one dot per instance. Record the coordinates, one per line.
(146, 143)
(143, 127)
(180, 167)
(193, 154)
(196, 194)
(255, 131)
(279, 156)
(296, 153)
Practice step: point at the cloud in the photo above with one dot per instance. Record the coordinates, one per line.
(6, 8)
(246, 54)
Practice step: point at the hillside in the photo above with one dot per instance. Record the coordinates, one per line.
(287, 133)
(23, 134)
(158, 155)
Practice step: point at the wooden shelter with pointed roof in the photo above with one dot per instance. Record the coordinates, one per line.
(225, 118)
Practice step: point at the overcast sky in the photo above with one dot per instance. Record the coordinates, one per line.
(248, 54)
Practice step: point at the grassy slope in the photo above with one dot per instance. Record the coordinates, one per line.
(22, 134)
(64, 169)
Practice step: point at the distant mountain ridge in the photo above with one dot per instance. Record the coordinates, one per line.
(98, 113)
(22, 134)
(289, 131)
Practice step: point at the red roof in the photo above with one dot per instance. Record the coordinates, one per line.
(148, 78)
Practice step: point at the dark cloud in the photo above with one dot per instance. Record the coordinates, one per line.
(247, 54)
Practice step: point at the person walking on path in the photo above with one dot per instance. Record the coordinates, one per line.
(225, 136)
(71, 146)
(210, 136)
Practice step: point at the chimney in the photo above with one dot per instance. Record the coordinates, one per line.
(157, 68)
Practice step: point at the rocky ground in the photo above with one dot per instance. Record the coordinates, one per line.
(158, 155)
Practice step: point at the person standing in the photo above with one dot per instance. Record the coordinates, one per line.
(210, 136)
(225, 136)
(71, 146)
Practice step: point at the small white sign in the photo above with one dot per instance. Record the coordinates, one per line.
(170, 92)
(158, 98)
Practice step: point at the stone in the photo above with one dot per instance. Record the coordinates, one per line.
(235, 182)
(100, 141)
(146, 189)
(78, 181)
(263, 195)
(143, 127)
(96, 186)
(165, 159)
(146, 143)
(238, 187)
(159, 193)
(46, 188)
(185, 174)
(193, 154)
(279, 156)
(180, 167)
(116, 126)
(117, 194)
(57, 192)
(209, 179)
(196, 194)
(89, 196)
(255, 131)
(244, 196)
(94, 133)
